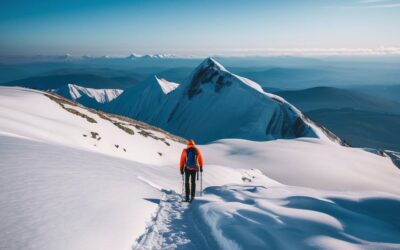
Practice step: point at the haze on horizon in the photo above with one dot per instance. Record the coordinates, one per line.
(191, 27)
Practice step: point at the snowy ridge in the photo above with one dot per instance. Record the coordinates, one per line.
(321, 132)
(211, 62)
(100, 95)
(395, 156)
(143, 100)
(88, 129)
(250, 83)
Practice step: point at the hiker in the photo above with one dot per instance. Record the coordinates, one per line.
(191, 163)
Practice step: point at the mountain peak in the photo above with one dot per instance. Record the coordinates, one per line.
(212, 74)
(212, 63)
(133, 56)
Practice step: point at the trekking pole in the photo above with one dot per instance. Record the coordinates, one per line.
(201, 183)
(183, 184)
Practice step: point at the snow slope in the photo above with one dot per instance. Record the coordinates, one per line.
(88, 96)
(143, 100)
(43, 117)
(57, 197)
(213, 104)
(309, 162)
(60, 189)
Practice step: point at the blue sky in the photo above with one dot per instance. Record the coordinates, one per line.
(195, 27)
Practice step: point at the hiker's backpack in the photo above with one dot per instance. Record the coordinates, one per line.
(191, 159)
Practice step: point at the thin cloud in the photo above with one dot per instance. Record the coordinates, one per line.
(310, 51)
(373, 1)
(395, 5)
(378, 4)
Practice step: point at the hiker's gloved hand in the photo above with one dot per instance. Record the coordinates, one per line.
(181, 172)
(201, 170)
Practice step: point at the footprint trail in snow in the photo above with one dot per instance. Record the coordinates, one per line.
(176, 225)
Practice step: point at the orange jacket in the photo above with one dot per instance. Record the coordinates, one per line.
(183, 156)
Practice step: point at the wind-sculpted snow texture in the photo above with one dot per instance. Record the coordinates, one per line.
(259, 217)
(213, 104)
(75, 178)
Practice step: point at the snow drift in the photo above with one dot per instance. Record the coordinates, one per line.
(256, 217)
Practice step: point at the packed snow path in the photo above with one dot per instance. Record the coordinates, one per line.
(176, 225)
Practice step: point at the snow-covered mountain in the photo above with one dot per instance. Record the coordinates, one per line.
(134, 56)
(214, 103)
(88, 96)
(158, 56)
(145, 98)
(76, 178)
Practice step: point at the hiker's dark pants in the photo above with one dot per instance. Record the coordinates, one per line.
(192, 175)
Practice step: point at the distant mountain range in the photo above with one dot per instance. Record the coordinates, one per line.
(362, 118)
(391, 92)
(150, 56)
(335, 98)
(284, 77)
(296, 78)
(361, 128)
(56, 81)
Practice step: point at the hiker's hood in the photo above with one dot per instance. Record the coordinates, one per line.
(190, 143)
